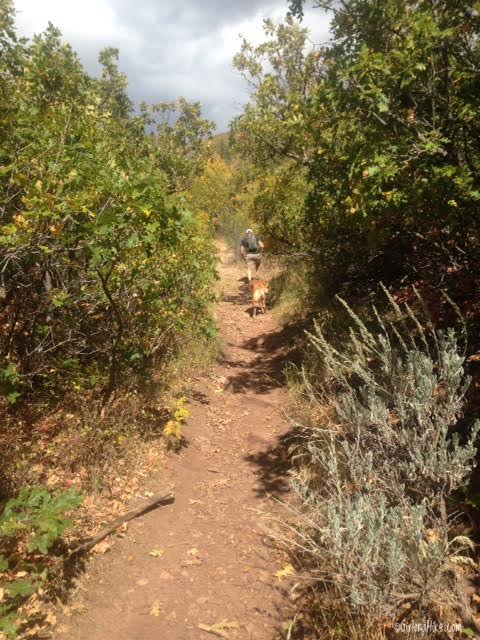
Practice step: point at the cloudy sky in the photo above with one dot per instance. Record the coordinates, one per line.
(167, 48)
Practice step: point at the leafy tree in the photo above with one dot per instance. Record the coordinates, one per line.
(181, 149)
(383, 120)
(113, 84)
(282, 76)
(103, 266)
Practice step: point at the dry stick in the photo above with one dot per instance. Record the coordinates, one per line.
(164, 498)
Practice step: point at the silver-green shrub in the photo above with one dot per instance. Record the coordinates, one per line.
(374, 473)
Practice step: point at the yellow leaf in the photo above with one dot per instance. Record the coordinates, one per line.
(157, 553)
(20, 220)
(288, 570)
(156, 608)
(219, 628)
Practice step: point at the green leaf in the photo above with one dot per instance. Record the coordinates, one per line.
(8, 624)
(13, 396)
(20, 588)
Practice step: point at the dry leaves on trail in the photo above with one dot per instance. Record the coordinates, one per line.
(287, 571)
(157, 553)
(102, 547)
(193, 558)
(156, 608)
(219, 628)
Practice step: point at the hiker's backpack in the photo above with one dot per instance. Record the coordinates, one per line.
(251, 244)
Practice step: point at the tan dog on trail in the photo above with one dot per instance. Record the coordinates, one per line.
(259, 289)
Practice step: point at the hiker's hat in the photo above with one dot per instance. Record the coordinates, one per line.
(249, 231)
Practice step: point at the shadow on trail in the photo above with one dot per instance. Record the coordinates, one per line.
(264, 372)
(273, 465)
(236, 298)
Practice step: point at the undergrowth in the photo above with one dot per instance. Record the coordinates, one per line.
(378, 458)
(30, 526)
(78, 449)
(290, 289)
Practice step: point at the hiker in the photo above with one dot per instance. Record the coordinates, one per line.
(250, 248)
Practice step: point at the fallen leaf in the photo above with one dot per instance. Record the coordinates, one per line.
(156, 553)
(149, 494)
(89, 502)
(156, 608)
(52, 480)
(30, 633)
(191, 562)
(51, 618)
(288, 570)
(218, 628)
(142, 582)
(101, 547)
(193, 559)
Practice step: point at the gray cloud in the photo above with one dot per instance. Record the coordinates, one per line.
(167, 48)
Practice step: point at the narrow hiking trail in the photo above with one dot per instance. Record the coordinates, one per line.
(216, 562)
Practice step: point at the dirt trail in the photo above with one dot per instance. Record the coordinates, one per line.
(217, 563)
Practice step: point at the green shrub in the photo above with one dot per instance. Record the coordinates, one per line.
(104, 268)
(30, 525)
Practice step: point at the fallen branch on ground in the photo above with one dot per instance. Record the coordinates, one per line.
(164, 498)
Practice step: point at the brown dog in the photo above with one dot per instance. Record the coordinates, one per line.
(259, 289)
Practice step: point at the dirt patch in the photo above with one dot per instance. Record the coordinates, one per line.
(204, 566)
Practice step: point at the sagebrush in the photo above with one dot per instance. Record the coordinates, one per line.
(375, 468)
